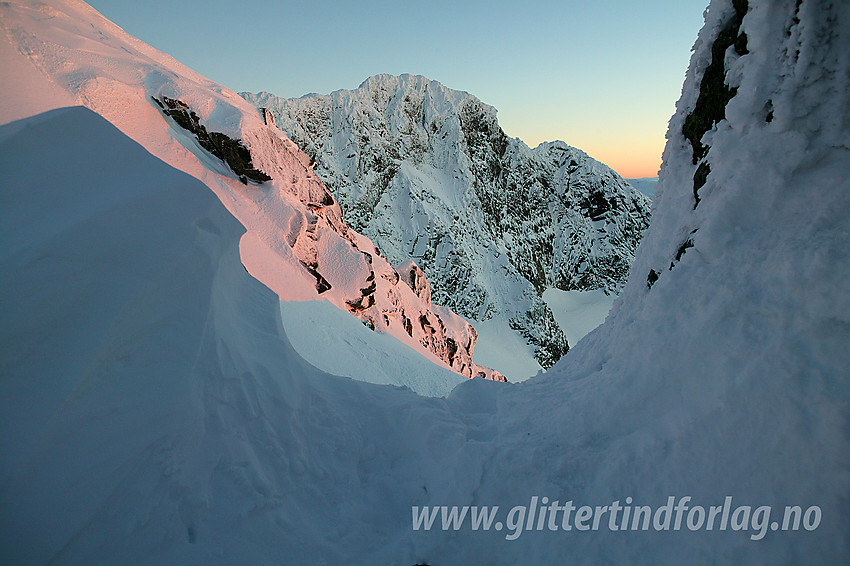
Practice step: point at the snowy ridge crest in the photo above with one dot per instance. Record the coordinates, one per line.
(297, 242)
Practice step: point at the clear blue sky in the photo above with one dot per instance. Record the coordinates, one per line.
(602, 75)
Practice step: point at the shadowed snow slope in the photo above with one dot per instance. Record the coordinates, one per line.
(152, 410)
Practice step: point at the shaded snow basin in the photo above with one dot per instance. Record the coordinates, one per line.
(336, 342)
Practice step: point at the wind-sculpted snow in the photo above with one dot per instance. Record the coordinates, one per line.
(427, 173)
(297, 242)
(152, 410)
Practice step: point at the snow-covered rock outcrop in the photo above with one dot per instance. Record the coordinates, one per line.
(427, 173)
(297, 242)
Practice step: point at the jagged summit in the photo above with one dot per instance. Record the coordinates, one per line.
(427, 172)
(381, 80)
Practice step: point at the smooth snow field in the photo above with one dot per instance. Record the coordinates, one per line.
(578, 312)
(336, 342)
(500, 347)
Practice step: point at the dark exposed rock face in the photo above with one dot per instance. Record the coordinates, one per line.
(427, 173)
(710, 108)
(714, 93)
(231, 151)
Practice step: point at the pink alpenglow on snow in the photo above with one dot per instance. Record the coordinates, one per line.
(296, 241)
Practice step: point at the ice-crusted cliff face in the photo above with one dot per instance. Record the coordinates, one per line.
(428, 173)
(297, 242)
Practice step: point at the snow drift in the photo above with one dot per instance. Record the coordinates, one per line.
(147, 385)
(153, 410)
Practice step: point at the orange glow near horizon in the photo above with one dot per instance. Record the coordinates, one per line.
(632, 157)
(636, 164)
(629, 143)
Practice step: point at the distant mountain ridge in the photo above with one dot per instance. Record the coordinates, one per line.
(645, 185)
(427, 173)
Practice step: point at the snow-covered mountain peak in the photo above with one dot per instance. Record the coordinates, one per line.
(427, 173)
